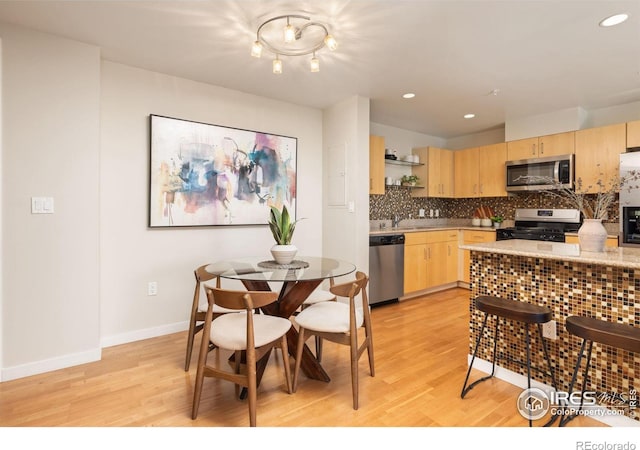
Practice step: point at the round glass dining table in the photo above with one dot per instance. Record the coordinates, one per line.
(299, 279)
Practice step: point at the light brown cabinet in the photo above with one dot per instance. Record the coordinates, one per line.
(415, 262)
(376, 165)
(633, 134)
(480, 171)
(598, 156)
(438, 173)
(538, 147)
(610, 242)
(430, 259)
(473, 237)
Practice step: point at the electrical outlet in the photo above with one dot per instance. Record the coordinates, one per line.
(421, 212)
(549, 330)
(152, 288)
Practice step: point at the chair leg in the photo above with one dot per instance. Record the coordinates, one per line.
(319, 348)
(285, 360)
(567, 418)
(528, 345)
(551, 371)
(202, 361)
(299, 348)
(369, 338)
(466, 388)
(354, 370)
(194, 329)
(252, 387)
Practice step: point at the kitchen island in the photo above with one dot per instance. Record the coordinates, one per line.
(570, 282)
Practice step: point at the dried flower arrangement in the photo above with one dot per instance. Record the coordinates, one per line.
(591, 205)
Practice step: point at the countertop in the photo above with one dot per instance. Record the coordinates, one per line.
(403, 230)
(612, 256)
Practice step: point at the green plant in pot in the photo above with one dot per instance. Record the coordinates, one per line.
(409, 180)
(282, 228)
(497, 221)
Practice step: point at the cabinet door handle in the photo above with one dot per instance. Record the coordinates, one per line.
(425, 253)
(429, 252)
(448, 250)
(370, 183)
(542, 148)
(481, 188)
(475, 186)
(533, 149)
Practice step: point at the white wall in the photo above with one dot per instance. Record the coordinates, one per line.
(132, 254)
(612, 115)
(77, 129)
(346, 147)
(50, 147)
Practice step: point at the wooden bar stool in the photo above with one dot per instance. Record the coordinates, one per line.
(523, 312)
(619, 335)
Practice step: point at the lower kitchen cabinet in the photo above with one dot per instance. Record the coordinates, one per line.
(430, 259)
(473, 237)
(611, 241)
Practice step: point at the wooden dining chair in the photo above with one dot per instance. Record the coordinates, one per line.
(339, 322)
(247, 332)
(199, 310)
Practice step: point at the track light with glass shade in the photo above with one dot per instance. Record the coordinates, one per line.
(292, 35)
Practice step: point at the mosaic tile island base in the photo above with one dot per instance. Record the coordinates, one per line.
(569, 282)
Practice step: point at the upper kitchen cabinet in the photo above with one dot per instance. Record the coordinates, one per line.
(538, 147)
(492, 175)
(437, 175)
(633, 134)
(467, 173)
(480, 171)
(376, 165)
(598, 156)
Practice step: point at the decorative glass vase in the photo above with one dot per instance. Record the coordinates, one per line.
(592, 235)
(284, 254)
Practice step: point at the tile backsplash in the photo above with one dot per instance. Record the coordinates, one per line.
(398, 200)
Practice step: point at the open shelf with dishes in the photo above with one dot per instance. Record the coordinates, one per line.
(399, 162)
(405, 186)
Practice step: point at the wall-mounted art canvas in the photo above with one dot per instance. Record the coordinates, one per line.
(205, 175)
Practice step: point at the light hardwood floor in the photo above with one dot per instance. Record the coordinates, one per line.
(421, 348)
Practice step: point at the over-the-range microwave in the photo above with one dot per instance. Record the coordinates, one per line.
(534, 174)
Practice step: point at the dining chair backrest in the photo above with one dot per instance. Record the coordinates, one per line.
(198, 309)
(248, 300)
(351, 289)
(202, 276)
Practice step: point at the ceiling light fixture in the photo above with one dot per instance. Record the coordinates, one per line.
(408, 95)
(611, 21)
(469, 116)
(292, 35)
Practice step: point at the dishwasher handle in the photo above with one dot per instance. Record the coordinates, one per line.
(390, 239)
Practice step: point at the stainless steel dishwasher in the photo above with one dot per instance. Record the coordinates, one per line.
(386, 268)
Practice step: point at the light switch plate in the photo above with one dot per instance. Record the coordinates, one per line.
(42, 205)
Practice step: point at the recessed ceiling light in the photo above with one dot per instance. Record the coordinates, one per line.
(469, 116)
(408, 95)
(613, 20)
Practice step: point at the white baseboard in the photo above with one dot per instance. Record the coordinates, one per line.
(521, 381)
(62, 362)
(147, 333)
(48, 365)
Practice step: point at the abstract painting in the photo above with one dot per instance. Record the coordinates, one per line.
(205, 175)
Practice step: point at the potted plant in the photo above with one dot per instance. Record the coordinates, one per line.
(409, 180)
(497, 221)
(282, 229)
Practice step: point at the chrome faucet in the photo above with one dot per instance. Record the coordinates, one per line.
(395, 221)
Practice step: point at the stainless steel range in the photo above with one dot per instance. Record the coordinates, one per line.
(541, 225)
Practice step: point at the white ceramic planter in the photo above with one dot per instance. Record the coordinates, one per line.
(284, 254)
(592, 235)
(486, 222)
